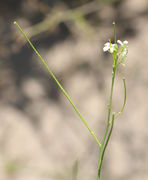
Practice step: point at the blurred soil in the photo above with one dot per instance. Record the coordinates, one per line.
(41, 137)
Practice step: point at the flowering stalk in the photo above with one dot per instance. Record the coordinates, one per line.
(119, 55)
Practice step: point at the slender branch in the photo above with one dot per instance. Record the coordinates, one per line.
(124, 102)
(59, 85)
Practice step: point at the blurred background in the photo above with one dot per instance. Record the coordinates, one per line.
(41, 137)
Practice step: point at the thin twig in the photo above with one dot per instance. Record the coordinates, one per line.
(59, 85)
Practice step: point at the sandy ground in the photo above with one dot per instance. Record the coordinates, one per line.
(41, 136)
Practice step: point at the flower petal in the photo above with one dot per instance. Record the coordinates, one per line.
(119, 42)
(107, 44)
(125, 42)
(106, 48)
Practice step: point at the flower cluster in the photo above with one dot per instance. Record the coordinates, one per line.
(121, 49)
(109, 47)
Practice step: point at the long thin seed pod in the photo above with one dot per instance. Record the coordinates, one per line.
(117, 114)
(59, 85)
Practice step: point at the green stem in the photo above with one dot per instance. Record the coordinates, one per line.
(59, 85)
(103, 147)
(112, 87)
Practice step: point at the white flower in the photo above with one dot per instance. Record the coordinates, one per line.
(124, 43)
(120, 49)
(109, 47)
(123, 50)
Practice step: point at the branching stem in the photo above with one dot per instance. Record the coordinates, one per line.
(108, 129)
(110, 121)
